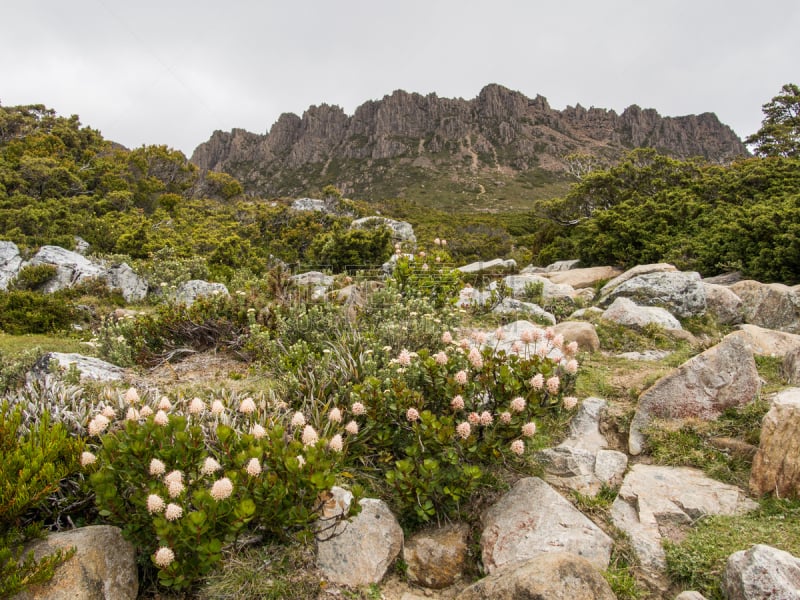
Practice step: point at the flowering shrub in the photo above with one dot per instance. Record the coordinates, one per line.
(182, 484)
(439, 420)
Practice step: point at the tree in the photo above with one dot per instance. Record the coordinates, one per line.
(780, 130)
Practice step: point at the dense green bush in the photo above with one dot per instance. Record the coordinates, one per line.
(23, 311)
(34, 461)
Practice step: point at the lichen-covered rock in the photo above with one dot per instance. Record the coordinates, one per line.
(723, 304)
(190, 291)
(512, 305)
(790, 368)
(496, 264)
(553, 576)
(436, 558)
(10, 262)
(635, 272)
(71, 268)
(722, 377)
(776, 466)
(102, 568)
(562, 265)
(681, 293)
(626, 312)
(88, 366)
(583, 278)
(761, 573)
(769, 305)
(533, 519)
(768, 342)
(581, 332)
(132, 287)
(521, 284)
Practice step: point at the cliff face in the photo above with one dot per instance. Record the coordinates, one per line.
(500, 131)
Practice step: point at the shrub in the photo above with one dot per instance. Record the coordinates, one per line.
(33, 464)
(32, 277)
(23, 311)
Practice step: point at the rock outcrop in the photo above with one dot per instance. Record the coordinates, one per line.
(776, 466)
(762, 573)
(499, 130)
(436, 558)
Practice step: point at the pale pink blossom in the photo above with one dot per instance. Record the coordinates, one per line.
(173, 512)
(538, 334)
(518, 447)
(335, 415)
(571, 367)
(537, 381)
(463, 429)
(447, 337)
(175, 488)
(132, 414)
(505, 417)
(351, 428)
(196, 406)
(464, 344)
(549, 333)
(541, 351)
(109, 413)
(217, 407)
(87, 458)
(570, 402)
(145, 411)
(571, 349)
(164, 404)
(358, 409)
(556, 355)
(221, 489)
(457, 403)
(440, 358)
(173, 476)
(163, 557)
(529, 429)
(499, 334)
(257, 431)
(157, 468)
(412, 415)
(336, 443)
(553, 383)
(422, 254)
(558, 341)
(444, 242)
(309, 437)
(98, 425)
(131, 396)
(486, 418)
(210, 465)
(526, 336)
(474, 418)
(301, 461)
(155, 504)
(437, 241)
(298, 420)
(479, 337)
(161, 418)
(475, 358)
(518, 404)
(247, 406)
(461, 377)
(425, 266)
(516, 347)
(253, 467)
(404, 358)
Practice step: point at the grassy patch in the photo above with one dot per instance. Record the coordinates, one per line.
(14, 345)
(699, 560)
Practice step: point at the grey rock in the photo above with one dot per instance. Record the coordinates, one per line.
(635, 272)
(722, 377)
(579, 331)
(553, 576)
(89, 367)
(71, 267)
(187, 293)
(401, 230)
(761, 573)
(790, 369)
(562, 265)
(512, 305)
(723, 304)
(626, 312)
(314, 205)
(363, 548)
(132, 287)
(470, 296)
(583, 278)
(768, 342)
(690, 595)
(724, 278)
(769, 305)
(656, 502)
(647, 355)
(531, 270)
(436, 558)
(312, 278)
(682, 293)
(519, 285)
(776, 466)
(497, 264)
(102, 568)
(533, 519)
(10, 263)
(81, 245)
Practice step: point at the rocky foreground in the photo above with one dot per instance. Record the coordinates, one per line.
(534, 542)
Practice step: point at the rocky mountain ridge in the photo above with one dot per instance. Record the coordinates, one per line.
(405, 137)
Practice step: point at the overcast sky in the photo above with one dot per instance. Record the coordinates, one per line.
(173, 71)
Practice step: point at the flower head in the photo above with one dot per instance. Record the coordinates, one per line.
(412, 415)
(351, 428)
(196, 406)
(475, 358)
(217, 407)
(440, 358)
(109, 413)
(486, 418)
(479, 337)
(404, 358)
(474, 418)
(499, 334)
(145, 412)
(529, 429)
(161, 418)
(155, 504)
(526, 336)
(157, 467)
(571, 349)
(558, 341)
(173, 512)
(173, 476)
(335, 415)
(247, 406)
(518, 404)
(505, 417)
(518, 447)
(253, 467)
(447, 337)
(570, 402)
(132, 414)
(336, 443)
(87, 458)
(210, 466)
(309, 437)
(163, 557)
(571, 367)
(461, 377)
(131, 396)
(164, 404)
(358, 409)
(537, 381)
(553, 383)
(300, 460)
(98, 425)
(463, 429)
(298, 420)
(516, 347)
(457, 403)
(175, 488)
(257, 431)
(221, 489)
